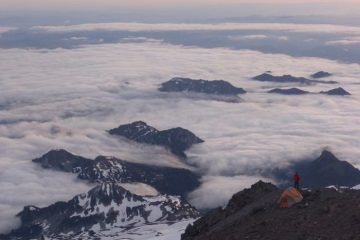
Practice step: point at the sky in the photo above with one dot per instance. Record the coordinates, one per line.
(182, 10)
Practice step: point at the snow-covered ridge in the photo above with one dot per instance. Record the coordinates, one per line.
(105, 207)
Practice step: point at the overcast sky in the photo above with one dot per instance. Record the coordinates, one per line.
(246, 7)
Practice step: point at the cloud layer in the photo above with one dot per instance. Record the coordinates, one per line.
(143, 27)
(67, 98)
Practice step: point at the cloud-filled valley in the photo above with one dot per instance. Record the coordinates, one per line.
(68, 98)
(330, 41)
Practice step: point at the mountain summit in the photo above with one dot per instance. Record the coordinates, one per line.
(328, 170)
(107, 207)
(325, 170)
(217, 87)
(266, 77)
(177, 140)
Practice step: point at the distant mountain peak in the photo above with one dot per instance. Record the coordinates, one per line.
(266, 77)
(106, 206)
(321, 74)
(217, 87)
(177, 139)
(336, 91)
(326, 155)
(289, 91)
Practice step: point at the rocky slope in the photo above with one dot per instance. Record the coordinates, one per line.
(218, 87)
(254, 214)
(177, 140)
(266, 77)
(173, 181)
(107, 206)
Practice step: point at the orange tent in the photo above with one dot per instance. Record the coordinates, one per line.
(289, 197)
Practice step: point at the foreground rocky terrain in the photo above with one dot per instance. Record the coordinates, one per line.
(254, 214)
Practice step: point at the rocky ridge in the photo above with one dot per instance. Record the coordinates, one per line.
(254, 214)
(177, 140)
(107, 206)
(167, 180)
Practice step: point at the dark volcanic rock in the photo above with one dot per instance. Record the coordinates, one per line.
(218, 87)
(173, 181)
(177, 140)
(336, 91)
(328, 170)
(290, 91)
(266, 77)
(321, 74)
(254, 214)
(324, 171)
(103, 207)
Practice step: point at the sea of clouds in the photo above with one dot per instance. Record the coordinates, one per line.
(68, 98)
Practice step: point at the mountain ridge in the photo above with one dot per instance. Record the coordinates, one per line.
(177, 140)
(169, 180)
(103, 207)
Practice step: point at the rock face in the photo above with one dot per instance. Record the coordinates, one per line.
(218, 87)
(177, 140)
(254, 214)
(321, 74)
(103, 207)
(326, 170)
(266, 77)
(289, 91)
(336, 91)
(167, 180)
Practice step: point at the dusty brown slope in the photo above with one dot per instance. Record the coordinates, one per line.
(324, 214)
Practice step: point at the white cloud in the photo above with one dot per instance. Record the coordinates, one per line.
(67, 98)
(25, 184)
(256, 37)
(137, 27)
(247, 37)
(6, 29)
(345, 41)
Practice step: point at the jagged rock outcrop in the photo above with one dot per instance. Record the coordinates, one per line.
(107, 206)
(336, 91)
(266, 77)
(254, 214)
(289, 91)
(168, 180)
(177, 140)
(321, 74)
(218, 87)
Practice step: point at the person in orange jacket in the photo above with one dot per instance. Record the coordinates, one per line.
(296, 180)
